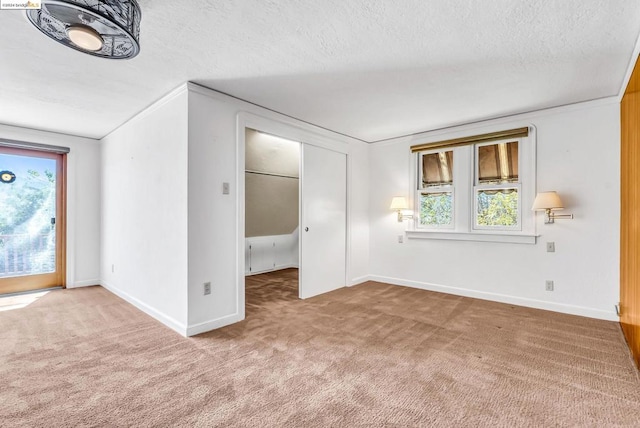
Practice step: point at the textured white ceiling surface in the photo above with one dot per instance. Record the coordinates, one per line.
(365, 68)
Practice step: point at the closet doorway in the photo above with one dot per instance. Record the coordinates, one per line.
(272, 220)
(295, 219)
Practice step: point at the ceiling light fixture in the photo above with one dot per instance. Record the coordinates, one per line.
(85, 37)
(103, 28)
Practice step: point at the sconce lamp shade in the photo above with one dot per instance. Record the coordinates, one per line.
(547, 201)
(399, 203)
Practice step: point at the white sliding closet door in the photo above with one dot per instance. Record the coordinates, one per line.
(323, 224)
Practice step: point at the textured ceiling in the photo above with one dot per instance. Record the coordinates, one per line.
(369, 69)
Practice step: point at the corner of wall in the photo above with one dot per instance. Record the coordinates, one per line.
(630, 68)
(203, 327)
(165, 319)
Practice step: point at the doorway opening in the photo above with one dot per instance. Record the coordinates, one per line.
(32, 220)
(272, 220)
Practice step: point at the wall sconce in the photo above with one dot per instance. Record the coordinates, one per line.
(548, 202)
(399, 203)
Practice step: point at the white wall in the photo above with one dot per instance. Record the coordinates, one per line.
(578, 155)
(83, 201)
(144, 210)
(358, 211)
(213, 216)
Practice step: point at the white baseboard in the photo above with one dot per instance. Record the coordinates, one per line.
(502, 298)
(86, 283)
(276, 268)
(289, 266)
(163, 318)
(359, 280)
(206, 326)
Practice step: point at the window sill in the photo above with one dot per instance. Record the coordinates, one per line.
(473, 236)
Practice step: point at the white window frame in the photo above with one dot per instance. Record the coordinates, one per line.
(449, 188)
(495, 186)
(464, 197)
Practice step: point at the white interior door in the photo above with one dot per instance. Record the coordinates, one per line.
(323, 225)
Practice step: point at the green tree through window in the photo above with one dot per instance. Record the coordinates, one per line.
(436, 209)
(497, 207)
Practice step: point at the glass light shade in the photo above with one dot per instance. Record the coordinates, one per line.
(547, 201)
(85, 37)
(102, 28)
(399, 203)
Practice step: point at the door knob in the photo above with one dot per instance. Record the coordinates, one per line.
(306, 229)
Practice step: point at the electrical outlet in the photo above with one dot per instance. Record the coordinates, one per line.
(551, 247)
(207, 288)
(548, 285)
(225, 188)
(400, 239)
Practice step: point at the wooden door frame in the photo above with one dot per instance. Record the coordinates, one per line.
(629, 208)
(58, 278)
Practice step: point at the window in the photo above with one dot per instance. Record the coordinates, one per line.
(475, 187)
(497, 189)
(436, 189)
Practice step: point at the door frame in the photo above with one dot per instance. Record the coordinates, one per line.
(27, 283)
(292, 132)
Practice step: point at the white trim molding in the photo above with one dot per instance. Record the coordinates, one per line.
(473, 236)
(502, 298)
(359, 280)
(152, 107)
(493, 123)
(206, 326)
(168, 321)
(630, 67)
(85, 283)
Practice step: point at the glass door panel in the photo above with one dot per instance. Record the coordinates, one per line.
(30, 215)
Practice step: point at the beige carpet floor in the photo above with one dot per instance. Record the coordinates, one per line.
(370, 355)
